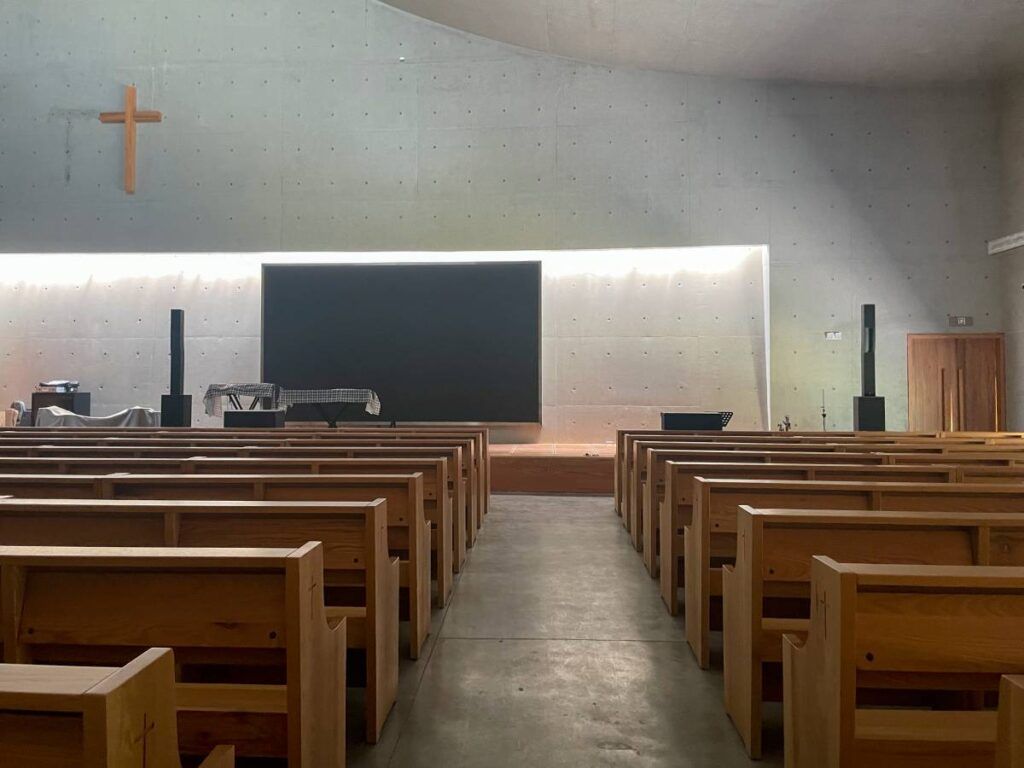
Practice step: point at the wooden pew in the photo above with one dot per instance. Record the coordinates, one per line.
(464, 502)
(653, 486)
(895, 627)
(625, 437)
(676, 511)
(258, 665)
(452, 455)
(480, 435)
(464, 447)
(770, 582)
(896, 442)
(408, 532)
(1010, 738)
(360, 577)
(435, 470)
(831, 468)
(437, 498)
(94, 717)
(477, 460)
(637, 470)
(710, 539)
(436, 492)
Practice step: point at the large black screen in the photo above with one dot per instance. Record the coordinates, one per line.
(438, 342)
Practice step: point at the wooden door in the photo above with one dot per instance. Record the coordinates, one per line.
(956, 381)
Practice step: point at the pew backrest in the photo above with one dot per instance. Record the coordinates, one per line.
(719, 499)
(353, 534)
(435, 471)
(680, 476)
(403, 492)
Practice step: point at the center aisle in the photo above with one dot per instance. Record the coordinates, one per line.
(556, 651)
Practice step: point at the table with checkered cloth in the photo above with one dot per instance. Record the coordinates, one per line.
(368, 397)
(216, 392)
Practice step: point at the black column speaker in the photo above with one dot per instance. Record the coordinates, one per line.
(867, 350)
(177, 351)
(868, 408)
(176, 408)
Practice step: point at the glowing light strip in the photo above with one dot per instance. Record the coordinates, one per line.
(84, 268)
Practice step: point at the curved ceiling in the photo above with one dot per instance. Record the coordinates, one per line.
(852, 41)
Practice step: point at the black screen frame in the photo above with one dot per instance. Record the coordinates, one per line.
(306, 416)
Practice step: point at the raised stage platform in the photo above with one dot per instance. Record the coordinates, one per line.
(552, 468)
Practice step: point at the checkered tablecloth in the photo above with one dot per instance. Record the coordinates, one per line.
(216, 392)
(284, 398)
(367, 397)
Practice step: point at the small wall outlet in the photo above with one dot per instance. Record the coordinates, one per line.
(833, 335)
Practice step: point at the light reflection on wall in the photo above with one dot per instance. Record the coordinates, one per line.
(76, 268)
(627, 333)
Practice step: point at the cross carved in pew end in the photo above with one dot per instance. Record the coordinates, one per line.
(147, 729)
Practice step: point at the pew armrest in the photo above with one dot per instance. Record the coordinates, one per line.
(335, 613)
(221, 757)
(355, 615)
(786, 626)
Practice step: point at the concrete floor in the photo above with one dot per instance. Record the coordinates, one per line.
(556, 651)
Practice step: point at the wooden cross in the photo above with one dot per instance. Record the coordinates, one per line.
(130, 117)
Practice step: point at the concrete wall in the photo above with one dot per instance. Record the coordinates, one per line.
(348, 125)
(1011, 144)
(103, 319)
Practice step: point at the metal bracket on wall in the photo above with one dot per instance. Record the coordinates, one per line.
(1004, 244)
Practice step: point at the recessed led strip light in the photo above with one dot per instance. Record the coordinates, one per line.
(83, 268)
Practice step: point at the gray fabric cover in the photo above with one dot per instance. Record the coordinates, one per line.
(130, 417)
